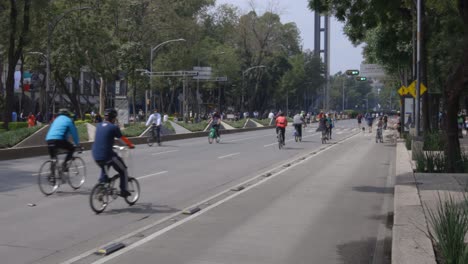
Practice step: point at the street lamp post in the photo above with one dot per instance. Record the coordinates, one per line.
(153, 49)
(198, 86)
(50, 30)
(243, 83)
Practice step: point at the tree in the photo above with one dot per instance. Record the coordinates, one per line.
(17, 41)
(379, 21)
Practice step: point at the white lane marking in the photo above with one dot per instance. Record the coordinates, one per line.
(339, 133)
(241, 139)
(150, 175)
(207, 209)
(164, 152)
(230, 155)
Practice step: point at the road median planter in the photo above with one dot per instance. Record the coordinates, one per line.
(26, 152)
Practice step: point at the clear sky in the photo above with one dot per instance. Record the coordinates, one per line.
(343, 55)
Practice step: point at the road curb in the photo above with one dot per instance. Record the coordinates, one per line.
(27, 152)
(410, 242)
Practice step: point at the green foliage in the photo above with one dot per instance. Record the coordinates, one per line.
(11, 138)
(80, 122)
(449, 223)
(169, 126)
(265, 122)
(194, 127)
(134, 130)
(235, 124)
(82, 132)
(408, 139)
(15, 125)
(434, 140)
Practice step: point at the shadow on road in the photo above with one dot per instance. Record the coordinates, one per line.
(142, 208)
(363, 251)
(373, 189)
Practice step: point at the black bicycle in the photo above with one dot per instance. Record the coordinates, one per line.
(280, 140)
(104, 193)
(52, 174)
(153, 136)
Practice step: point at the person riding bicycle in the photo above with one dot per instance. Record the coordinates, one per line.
(281, 124)
(58, 134)
(329, 126)
(298, 122)
(103, 152)
(216, 121)
(155, 120)
(385, 122)
(380, 125)
(323, 125)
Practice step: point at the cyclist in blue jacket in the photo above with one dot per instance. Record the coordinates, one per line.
(58, 135)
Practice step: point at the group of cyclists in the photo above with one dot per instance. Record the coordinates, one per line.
(102, 150)
(326, 124)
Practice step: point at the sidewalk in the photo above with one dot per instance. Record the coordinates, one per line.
(416, 194)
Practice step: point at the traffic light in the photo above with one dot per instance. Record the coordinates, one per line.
(352, 72)
(361, 79)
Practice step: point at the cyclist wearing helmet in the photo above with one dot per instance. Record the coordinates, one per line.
(58, 134)
(281, 124)
(103, 153)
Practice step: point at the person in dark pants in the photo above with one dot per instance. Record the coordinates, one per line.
(58, 134)
(104, 154)
(155, 120)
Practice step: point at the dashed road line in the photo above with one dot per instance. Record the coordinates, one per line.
(164, 152)
(151, 175)
(229, 155)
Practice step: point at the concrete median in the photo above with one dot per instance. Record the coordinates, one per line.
(26, 152)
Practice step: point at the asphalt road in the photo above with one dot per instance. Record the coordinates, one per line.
(329, 206)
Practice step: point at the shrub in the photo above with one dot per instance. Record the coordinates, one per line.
(133, 130)
(168, 126)
(434, 140)
(82, 132)
(408, 140)
(15, 125)
(236, 124)
(265, 122)
(450, 224)
(80, 122)
(194, 127)
(11, 138)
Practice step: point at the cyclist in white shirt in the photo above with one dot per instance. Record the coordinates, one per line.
(155, 120)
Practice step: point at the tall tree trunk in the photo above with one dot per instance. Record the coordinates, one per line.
(456, 84)
(102, 97)
(14, 54)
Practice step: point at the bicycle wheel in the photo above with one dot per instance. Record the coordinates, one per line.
(98, 199)
(280, 141)
(134, 189)
(210, 139)
(76, 173)
(150, 140)
(48, 178)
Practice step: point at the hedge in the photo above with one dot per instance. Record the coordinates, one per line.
(11, 138)
(194, 127)
(235, 124)
(15, 125)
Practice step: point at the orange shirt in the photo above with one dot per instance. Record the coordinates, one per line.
(281, 121)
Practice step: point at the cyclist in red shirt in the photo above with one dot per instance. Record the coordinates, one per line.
(281, 123)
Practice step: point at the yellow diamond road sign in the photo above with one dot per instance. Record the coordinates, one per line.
(403, 90)
(412, 89)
